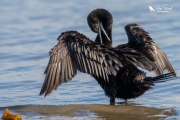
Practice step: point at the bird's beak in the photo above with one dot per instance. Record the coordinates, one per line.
(102, 28)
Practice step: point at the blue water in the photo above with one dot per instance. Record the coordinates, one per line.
(29, 29)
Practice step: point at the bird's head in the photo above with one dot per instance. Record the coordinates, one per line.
(100, 21)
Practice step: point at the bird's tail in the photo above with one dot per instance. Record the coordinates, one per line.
(161, 78)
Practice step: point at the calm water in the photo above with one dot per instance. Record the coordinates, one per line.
(28, 30)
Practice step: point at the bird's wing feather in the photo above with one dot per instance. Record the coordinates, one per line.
(73, 52)
(128, 55)
(140, 40)
(59, 69)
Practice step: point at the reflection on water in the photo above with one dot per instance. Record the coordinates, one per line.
(29, 30)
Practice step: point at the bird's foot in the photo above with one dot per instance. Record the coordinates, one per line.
(126, 102)
(112, 101)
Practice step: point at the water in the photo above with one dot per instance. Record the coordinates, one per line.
(29, 29)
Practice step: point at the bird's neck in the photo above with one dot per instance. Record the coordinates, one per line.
(105, 41)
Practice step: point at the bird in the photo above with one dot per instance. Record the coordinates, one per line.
(116, 69)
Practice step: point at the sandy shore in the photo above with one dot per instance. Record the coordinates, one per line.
(105, 112)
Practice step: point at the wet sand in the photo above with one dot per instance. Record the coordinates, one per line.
(94, 111)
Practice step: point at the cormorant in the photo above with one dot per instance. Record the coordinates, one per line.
(115, 69)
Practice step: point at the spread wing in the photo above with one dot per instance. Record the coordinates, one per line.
(75, 52)
(133, 56)
(140, 40)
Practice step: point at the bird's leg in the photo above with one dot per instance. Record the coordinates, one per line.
(126, 102)
(112, 100)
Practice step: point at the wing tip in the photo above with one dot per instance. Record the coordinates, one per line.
(174, 73)
(42, 89)
(41, 92)
(44, 92)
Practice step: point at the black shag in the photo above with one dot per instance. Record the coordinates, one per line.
(115, 69)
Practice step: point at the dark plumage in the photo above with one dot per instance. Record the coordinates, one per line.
(115, 69)
(101, 20)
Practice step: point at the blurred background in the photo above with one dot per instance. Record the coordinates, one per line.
(29, 29)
